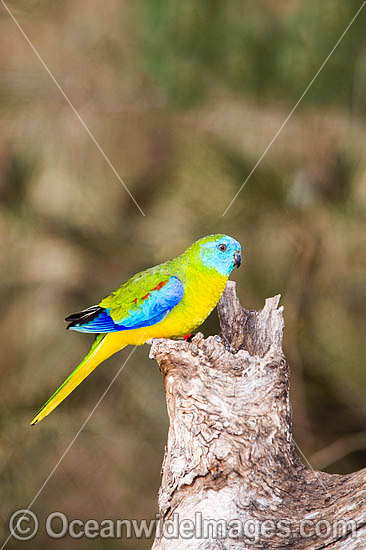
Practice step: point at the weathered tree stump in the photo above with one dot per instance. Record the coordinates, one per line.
(231, 477)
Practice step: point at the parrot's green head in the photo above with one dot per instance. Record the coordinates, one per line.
(219, 252)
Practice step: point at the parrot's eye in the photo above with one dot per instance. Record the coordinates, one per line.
(222, 247)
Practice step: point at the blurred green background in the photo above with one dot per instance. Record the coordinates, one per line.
(183, 97)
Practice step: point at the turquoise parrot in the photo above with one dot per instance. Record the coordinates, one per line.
(169, 300)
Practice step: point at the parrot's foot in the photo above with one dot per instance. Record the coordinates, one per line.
(188, 337)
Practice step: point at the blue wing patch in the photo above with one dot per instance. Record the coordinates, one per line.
(154, 308)
(102, 322)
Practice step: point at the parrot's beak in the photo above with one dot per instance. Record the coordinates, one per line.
(237, 258)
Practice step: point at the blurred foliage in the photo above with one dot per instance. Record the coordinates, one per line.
(263, 49)
(183, 98)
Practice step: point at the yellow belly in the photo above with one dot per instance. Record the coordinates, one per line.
(200, 297)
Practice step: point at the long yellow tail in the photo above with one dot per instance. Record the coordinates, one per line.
(103, 347)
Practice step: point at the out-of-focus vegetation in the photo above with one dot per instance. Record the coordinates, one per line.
(183, 97)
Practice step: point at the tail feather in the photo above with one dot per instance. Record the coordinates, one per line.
(99, 351)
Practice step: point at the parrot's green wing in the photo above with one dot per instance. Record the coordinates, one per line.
(135, 291)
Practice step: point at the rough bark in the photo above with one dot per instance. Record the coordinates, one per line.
(230, 454)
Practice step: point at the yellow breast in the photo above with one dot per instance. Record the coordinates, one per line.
(201, 295)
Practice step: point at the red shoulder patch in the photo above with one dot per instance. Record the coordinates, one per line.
(160, 285)
(157, 287)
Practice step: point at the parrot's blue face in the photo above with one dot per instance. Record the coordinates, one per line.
(222, 253)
